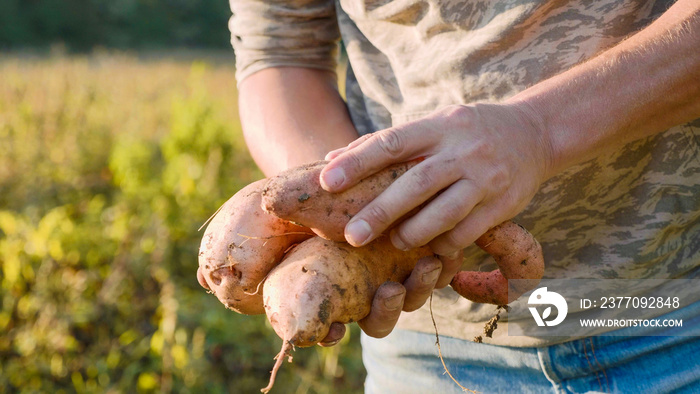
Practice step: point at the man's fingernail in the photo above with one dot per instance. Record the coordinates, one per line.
(397, 242)
(333, 178)
(394, 302)
(357, 232)
(431, 277)
(331, 343)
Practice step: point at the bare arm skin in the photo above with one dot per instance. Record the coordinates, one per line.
(499, 154)
(642, 86)
(292, 116)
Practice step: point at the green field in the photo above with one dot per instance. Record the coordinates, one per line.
(109, 164)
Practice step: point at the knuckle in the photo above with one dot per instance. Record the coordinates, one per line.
(423, 177)
(482, 149)
(457, 116)
(452, 239)
(356, 164)
(451, 213)
(447, 244)
(378, 216)
(408, 237)
(454, 112)
(500, 178)
(391, 142)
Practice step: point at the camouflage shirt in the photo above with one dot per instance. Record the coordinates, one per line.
(632, 214)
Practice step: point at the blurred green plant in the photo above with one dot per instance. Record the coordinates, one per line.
(138, 24)
(108, 166)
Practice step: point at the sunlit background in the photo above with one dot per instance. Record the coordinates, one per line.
(119, 137)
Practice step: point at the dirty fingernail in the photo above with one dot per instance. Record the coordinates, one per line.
(357, 232)
(394, 302)
(431, 277)
(334, 178)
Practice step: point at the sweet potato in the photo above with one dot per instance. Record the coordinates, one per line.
(332, 282)
(321, 282)
(518, 256)
(239, 248)
(297, 195)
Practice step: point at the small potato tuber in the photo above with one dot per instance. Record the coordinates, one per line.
(240, 247)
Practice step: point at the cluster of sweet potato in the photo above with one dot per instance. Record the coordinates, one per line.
(278, 247)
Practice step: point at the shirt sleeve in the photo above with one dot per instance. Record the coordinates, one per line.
(272, 33)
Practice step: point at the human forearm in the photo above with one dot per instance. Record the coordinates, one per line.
(292, 116)
(642, 86)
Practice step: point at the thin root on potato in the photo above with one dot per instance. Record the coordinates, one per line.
(287, 347)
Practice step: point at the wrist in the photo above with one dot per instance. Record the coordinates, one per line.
(534, 120)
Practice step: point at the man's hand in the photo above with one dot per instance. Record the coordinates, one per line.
(393, 298)
(484, 162)
(482, 165)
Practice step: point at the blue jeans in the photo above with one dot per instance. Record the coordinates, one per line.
(407, 362)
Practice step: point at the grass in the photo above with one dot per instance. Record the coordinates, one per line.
(109, 163)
